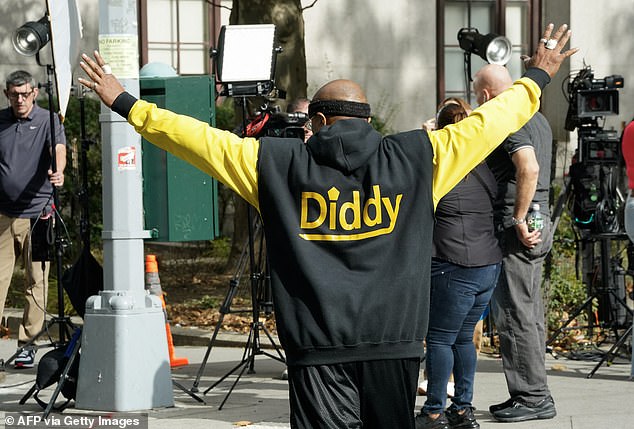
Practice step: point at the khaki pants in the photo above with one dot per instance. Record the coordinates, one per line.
(14, 243)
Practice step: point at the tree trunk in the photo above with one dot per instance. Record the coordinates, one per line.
(290, 73)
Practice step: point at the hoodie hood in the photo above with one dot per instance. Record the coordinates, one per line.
(345, 145)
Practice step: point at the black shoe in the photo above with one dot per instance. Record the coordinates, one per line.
(521, 411)
(466, 420)
(423, 421)
(503, 405)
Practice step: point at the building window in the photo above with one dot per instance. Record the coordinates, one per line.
(178, 33)
(512, 18)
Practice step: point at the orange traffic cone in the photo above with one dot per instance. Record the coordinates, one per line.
(153, 285)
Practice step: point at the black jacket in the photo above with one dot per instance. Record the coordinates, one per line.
(355, 211)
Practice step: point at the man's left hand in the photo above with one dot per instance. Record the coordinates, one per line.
(57, 178)
(528, 239)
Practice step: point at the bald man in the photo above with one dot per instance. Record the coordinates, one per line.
(348, 220)
(521, 166)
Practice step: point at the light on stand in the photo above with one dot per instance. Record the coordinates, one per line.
(31, 37)
(245, 59)
(245, 66)
(28, 40)
(492, 48)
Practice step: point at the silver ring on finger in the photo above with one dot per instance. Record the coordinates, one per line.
(542, 40)
(106, 69)
(551, 44)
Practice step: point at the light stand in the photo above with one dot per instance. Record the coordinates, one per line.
(230, 58)
(260, 287)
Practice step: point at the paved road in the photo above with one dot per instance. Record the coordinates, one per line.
(604, 401)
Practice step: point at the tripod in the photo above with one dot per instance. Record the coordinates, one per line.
(63, 322)
(605, 293)
(260, 283)
(260, 299)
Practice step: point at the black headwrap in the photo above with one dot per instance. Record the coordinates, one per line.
(339, 108)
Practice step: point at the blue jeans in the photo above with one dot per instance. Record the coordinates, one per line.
(459, 296)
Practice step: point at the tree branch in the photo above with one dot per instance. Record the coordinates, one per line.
(214, 4)
(310, 5)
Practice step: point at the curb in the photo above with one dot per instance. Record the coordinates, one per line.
(181, 336)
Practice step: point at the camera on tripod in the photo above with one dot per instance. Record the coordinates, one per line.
(594, 172)
(270, 121)
(591, 98)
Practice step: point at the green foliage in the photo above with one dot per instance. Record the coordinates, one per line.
(208, 301)
(567, 291)
(225, 115)
(381, 125)
(220, 248)
(382, 118)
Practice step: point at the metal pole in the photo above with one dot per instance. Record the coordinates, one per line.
(125, 362)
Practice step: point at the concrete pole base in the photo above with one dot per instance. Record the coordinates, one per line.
(124, 364)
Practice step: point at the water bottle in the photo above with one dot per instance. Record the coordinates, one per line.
(534, 220)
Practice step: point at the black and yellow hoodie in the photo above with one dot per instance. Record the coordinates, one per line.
(348, 217)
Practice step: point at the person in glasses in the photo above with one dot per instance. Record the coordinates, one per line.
(26, 195)
(300, 105)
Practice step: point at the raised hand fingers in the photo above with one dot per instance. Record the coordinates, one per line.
(91, 67)
(548, 31)
(549, 55)
(562, 37)
(100, 78)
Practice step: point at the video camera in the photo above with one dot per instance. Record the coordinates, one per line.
(270, 121)
(590, 98)
(594, 172)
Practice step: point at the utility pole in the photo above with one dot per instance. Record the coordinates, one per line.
(124, 362)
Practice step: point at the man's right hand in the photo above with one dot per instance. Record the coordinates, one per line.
(550, 59)
(101, 81)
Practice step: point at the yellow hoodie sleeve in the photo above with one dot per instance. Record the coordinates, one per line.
(225, 156)
(459, 147)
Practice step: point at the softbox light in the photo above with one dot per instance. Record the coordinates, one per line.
(492, 48)
(245, 54)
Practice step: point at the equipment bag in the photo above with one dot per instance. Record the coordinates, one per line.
(50, 369)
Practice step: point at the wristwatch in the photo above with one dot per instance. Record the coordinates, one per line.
(515, 221)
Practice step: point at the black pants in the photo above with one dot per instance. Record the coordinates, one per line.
(379, 394)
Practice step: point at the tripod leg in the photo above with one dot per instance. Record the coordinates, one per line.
(225, 308)
(610, 353)
(62, 379)
(189, 392)
(201, 369)
(280, 356)
(243, 362)
(245, 365)
(28, 394)
(74, 345)
(572, 317)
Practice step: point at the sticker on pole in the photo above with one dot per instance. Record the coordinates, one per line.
(126, 158)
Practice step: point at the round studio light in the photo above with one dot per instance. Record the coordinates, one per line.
(31, 37)
(499, 50)
(491, 47)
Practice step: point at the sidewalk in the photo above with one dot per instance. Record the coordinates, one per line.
(604, 401)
